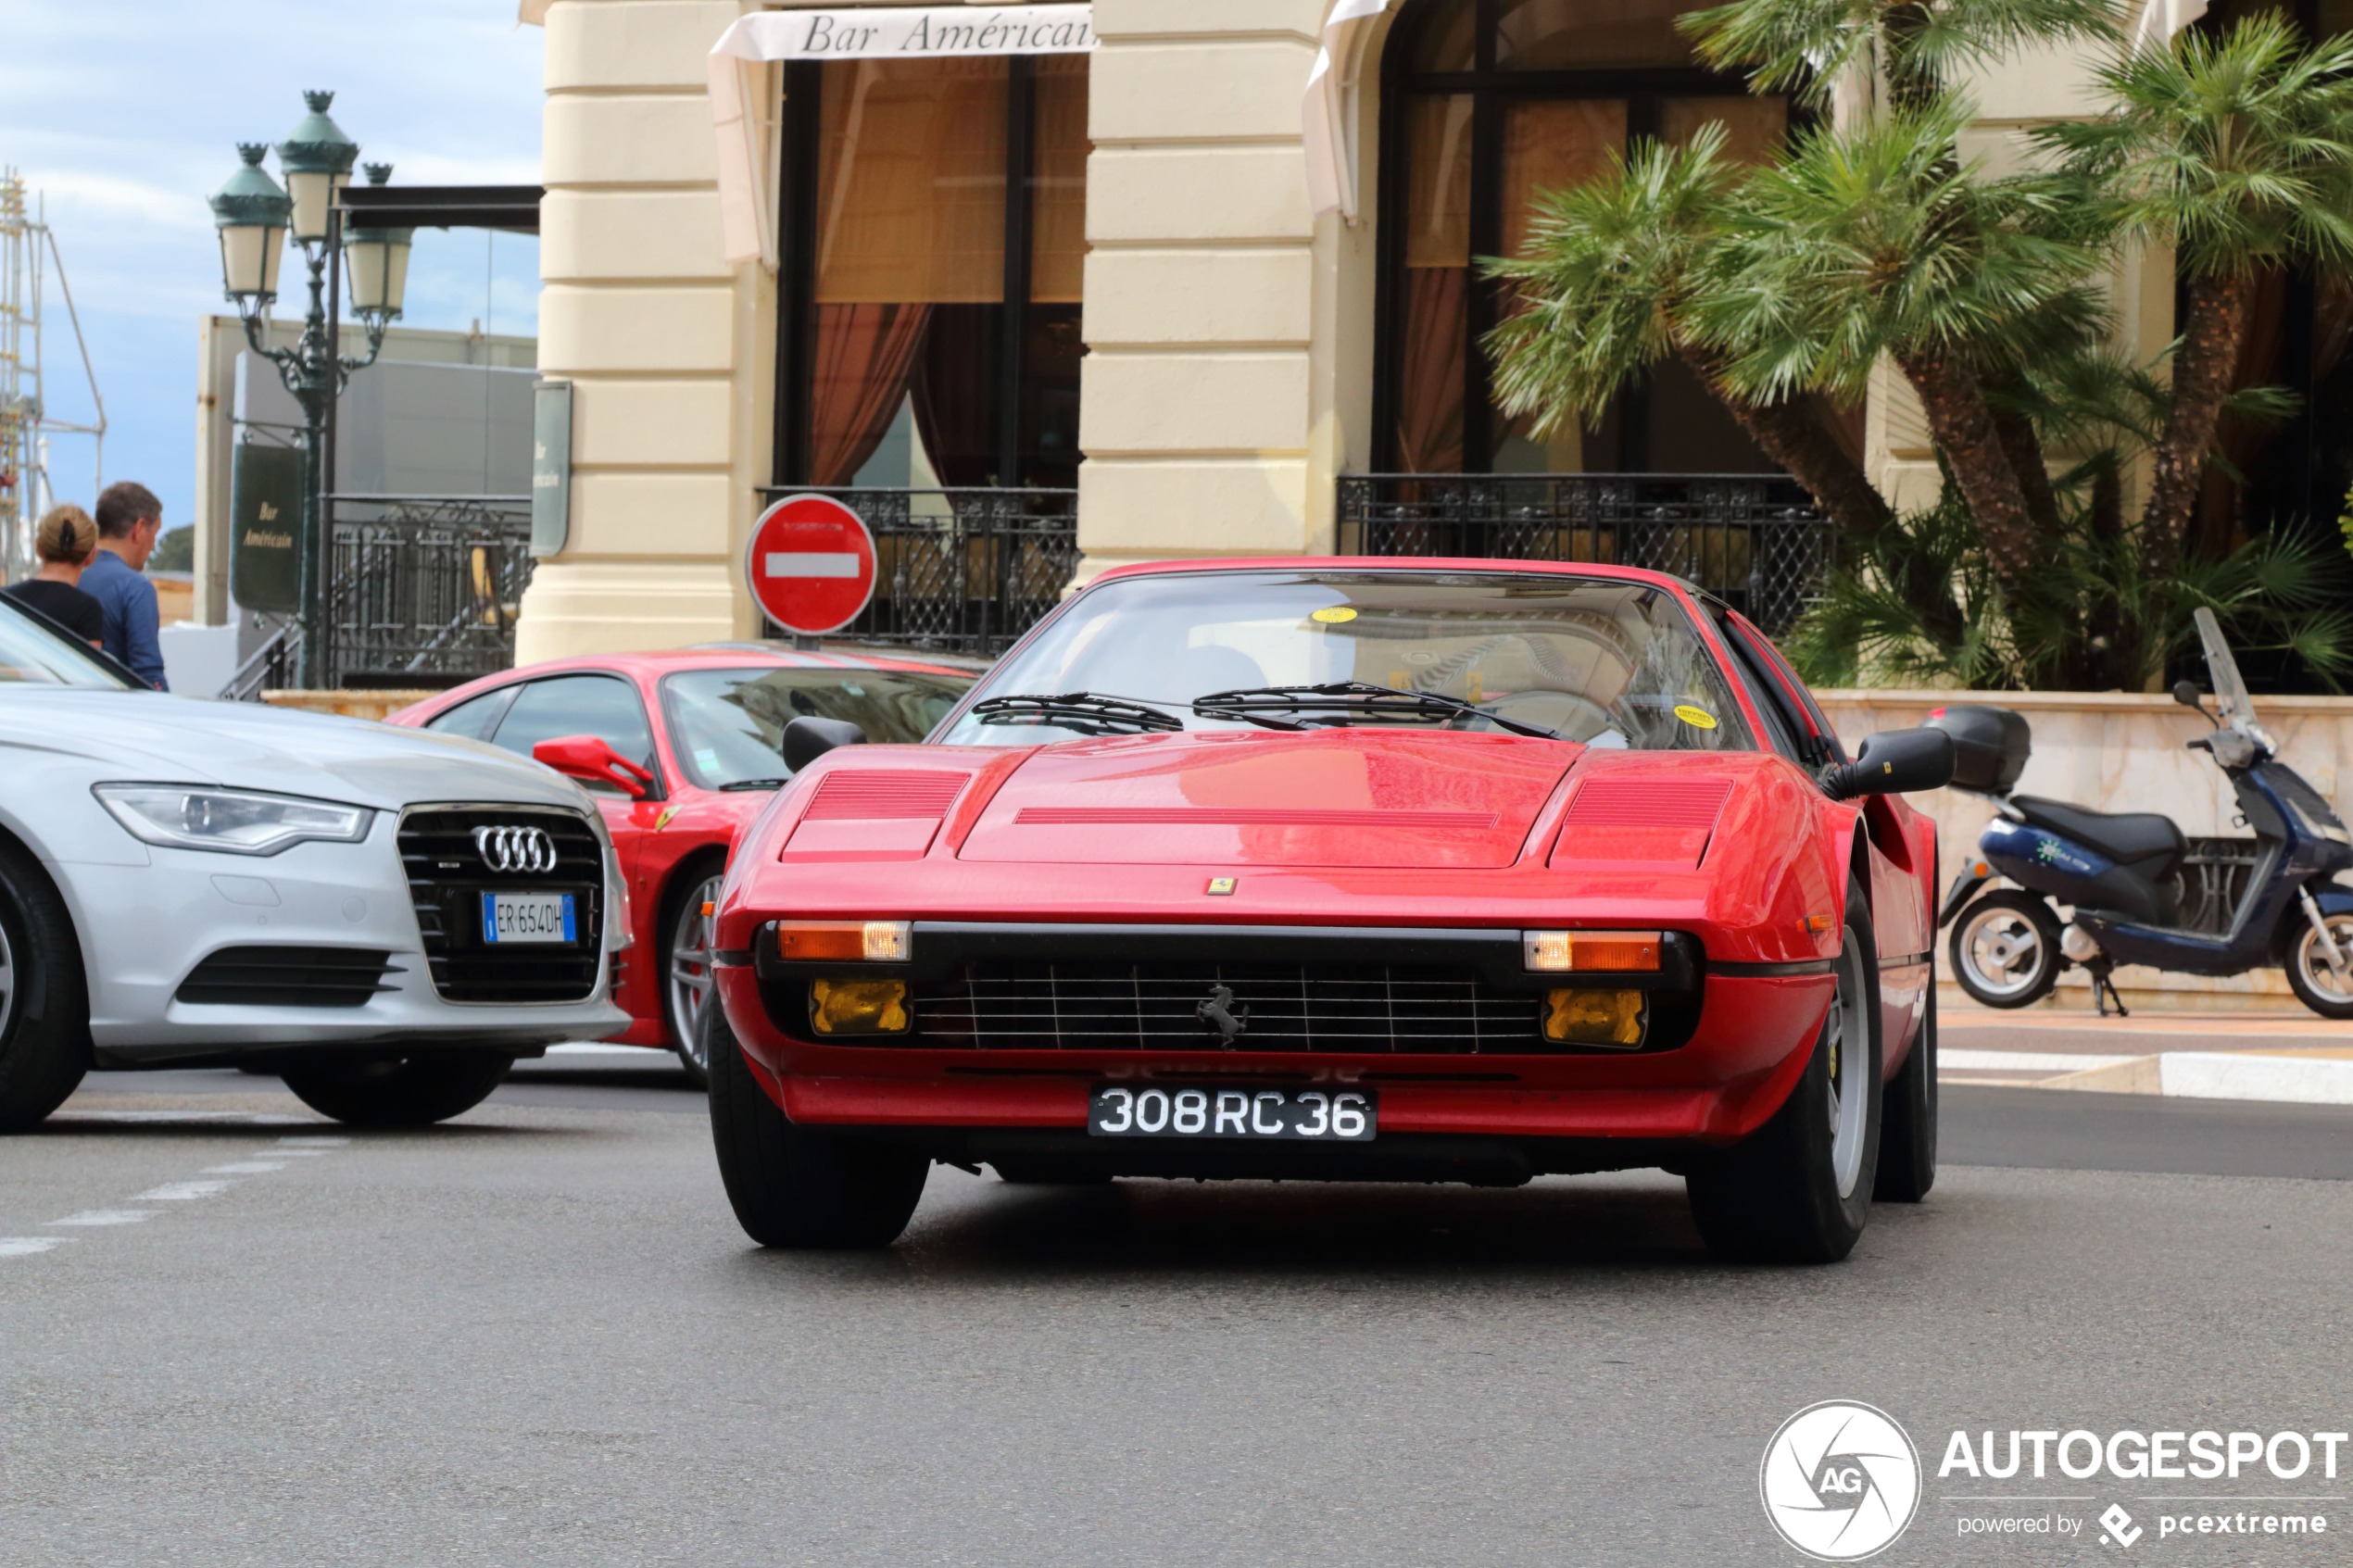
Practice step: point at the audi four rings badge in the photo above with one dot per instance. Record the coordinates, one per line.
(519, 850)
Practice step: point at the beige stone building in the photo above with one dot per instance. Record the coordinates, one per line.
(991, 290)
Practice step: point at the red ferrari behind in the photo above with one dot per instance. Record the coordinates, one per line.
(1332, 869)
(681, 749)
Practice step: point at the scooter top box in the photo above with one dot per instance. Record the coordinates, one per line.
(1990, 746)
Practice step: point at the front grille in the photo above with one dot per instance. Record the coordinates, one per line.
(448, 877)
(1366, 1008)
(287, 977)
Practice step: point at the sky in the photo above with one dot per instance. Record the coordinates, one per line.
(125, 114)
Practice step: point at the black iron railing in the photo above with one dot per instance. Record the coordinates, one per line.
(1755, 540)
(272, 666)
(962, 571)
(424, 587)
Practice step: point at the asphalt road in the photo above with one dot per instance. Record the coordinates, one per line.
(536, 1336)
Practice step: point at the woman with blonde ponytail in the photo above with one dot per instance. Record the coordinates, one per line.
(67, 540)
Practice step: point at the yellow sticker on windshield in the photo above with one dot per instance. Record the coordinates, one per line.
(1332, 615)
(1697, 718)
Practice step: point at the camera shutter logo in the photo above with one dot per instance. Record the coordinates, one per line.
(1840, 1481)
(511, 850)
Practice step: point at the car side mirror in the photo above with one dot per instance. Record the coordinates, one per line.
(1894, 762)
(592, 760)
(808, 739)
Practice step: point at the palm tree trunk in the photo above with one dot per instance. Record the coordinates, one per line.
(2204, 363)
(1792, 436)
(1965, 434)
(2023, 447)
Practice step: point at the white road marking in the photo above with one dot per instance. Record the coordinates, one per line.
(232, 1117)
(181, 1192)
(244, 1168)
(106, 1217)
(606, 1050)
(313, 1143)
(26, 1245)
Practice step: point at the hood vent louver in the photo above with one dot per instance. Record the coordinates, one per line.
(1653, 819)
(884, 794)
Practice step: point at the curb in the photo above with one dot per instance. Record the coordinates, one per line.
(2249, 1075)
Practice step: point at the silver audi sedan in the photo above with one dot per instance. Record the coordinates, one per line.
(388, 918)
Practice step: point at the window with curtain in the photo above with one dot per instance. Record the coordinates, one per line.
(934, 216)
(1489, 104)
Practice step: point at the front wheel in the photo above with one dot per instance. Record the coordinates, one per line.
(796, 1186)
(2317, 983)
(2006, 949)
(44, 1007)
(1798, 1189)
(689, 989)
(409, 1091)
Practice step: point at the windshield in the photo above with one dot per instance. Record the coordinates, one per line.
(727, 726)
(1609, 664)
(32, 655)
(2222, 672)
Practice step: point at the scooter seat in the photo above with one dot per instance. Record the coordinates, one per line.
(2130, 838)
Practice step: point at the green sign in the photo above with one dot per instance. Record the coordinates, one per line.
(550, 468)
(265, 513)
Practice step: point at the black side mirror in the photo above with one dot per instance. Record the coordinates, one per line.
(808, 739)
(1894, 762)
(2188, 695)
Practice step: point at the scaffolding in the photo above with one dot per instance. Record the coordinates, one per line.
(29, 257)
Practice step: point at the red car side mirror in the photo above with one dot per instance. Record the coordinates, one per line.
(589, 758)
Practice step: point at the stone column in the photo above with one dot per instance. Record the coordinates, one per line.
(1198, 409)
(668, 349)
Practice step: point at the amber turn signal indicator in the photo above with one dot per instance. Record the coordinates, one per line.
(1818, 923)
(1608, 952)
(1593, 1018)
(853, 941)
(858, 1007)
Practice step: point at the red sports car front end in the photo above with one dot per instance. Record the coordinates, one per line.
(1475, 929)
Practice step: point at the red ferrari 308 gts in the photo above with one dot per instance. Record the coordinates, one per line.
(681, 749)
(1332, 869)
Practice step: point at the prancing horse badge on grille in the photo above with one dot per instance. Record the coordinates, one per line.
(1222, 1015)
(516, 850)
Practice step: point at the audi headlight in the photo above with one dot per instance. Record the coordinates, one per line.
(236, 821)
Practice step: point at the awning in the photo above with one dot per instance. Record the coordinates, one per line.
(1328, 127)
(861, 32)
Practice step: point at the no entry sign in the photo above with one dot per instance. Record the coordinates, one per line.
(812, 565)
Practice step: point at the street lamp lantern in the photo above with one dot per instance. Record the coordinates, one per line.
(377, 260)
(315, 157)
(250, 212)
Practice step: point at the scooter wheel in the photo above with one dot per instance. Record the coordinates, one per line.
(2309, 976)
(2006, 949)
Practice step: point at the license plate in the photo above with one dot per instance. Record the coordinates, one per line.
(1122, 1111)
(523, 917)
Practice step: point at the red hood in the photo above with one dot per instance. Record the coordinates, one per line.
(1330, 798)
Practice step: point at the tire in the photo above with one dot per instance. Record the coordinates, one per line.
(686, 978)
(2004, 949)
(800, 1187)
(2309, 976)
(409, 1091)
(45, 998)
(1907, 1120)
(1798, 1189)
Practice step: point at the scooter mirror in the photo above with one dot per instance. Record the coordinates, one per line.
(2188, 695)
(1894, 762)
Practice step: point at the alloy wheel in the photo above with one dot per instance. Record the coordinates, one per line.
(690, 972)
(2312, 960)
(1845, 1040)
(2004, 951)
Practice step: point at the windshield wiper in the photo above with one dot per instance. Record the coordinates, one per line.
(753, 784)
(1089, 714)
(1283, 708)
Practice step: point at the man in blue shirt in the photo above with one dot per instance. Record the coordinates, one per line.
(129, 520)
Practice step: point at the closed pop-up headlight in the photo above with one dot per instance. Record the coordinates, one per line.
(234, 822)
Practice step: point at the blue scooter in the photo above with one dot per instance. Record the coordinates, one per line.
(2121, 873)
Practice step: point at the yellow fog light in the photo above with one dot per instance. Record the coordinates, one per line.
(858, 1007)
(1593, 1018)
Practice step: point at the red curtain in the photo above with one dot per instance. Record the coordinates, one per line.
(1430, 392)
(955, 401)
(865, 354)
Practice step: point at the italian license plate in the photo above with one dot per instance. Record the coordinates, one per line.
(1124, 1111)
(527, 918)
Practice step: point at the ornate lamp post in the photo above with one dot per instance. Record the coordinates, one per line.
(253, 217)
